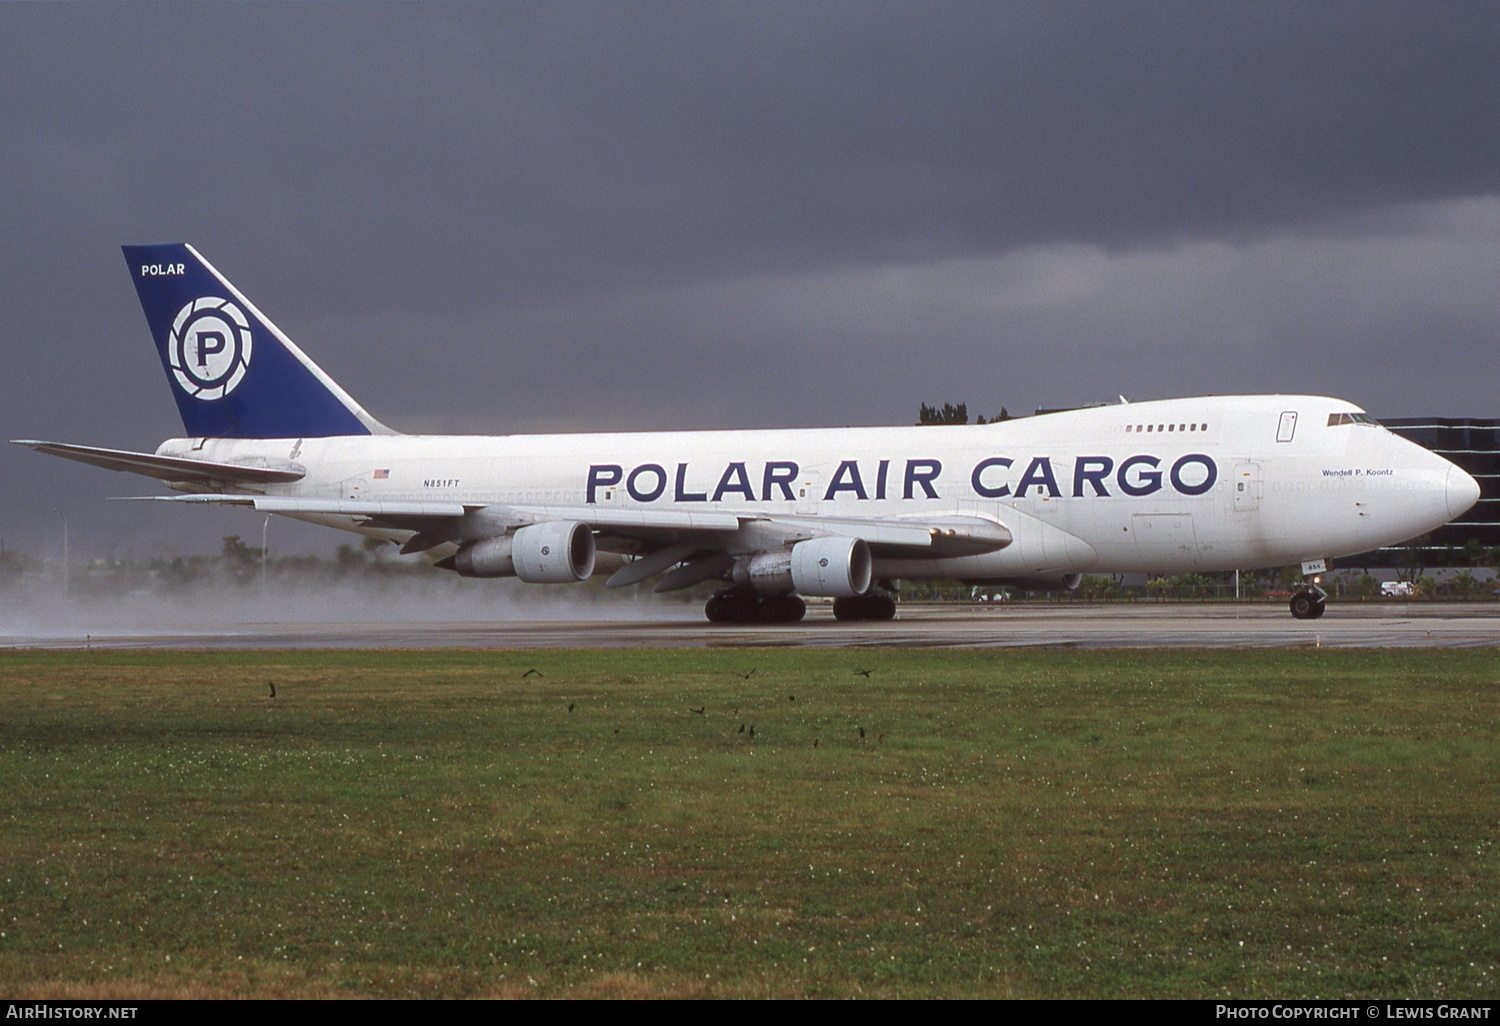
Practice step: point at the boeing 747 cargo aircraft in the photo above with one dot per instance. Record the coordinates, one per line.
(1169, 486)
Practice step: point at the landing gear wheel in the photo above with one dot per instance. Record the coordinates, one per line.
(748, 607)
(782, 609)
(874, 606)
(732, 607)
(1308, 605)
(717, 609)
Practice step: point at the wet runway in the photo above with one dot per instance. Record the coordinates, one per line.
(1385, 625)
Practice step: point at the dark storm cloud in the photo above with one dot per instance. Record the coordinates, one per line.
(552, 146)
(684, 214)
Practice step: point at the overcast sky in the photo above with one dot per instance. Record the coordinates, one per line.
(560, 216)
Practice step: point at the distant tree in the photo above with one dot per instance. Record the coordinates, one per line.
(1097, 587)
(1413, 558)
(1192, 586)
(1466, 586)
(1363, 587)
(239, 559)
(948, 413)
(15, 564)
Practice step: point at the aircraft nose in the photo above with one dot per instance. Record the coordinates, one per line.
(1462, 491)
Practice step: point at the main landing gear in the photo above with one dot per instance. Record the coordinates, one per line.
(736, 606)
(1309, 602)
(874, 606)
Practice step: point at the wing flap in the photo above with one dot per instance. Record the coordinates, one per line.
(922, 537)
(925, 537)
(331, 507)
(642, 519)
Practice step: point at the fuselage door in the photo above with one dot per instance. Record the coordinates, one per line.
(807, 486)
(1166, 541)
(1287, 426)
(1247, 486)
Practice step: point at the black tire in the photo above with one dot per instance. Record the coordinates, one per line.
(732, 607)
(793, 609)
(865, 607)
(743, 608)
(773, 610)
(1305, 606)
(849, 608)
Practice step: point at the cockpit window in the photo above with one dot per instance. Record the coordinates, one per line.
(1337, 419)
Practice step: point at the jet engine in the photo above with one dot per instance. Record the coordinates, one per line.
(835, 567)
(558, 552)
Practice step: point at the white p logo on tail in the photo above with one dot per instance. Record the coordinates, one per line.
(209, 347)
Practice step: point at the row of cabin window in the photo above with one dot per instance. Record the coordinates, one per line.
(1166, 427)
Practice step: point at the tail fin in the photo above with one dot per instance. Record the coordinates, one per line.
(232, 372)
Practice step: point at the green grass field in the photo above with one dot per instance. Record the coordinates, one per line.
(996, 824)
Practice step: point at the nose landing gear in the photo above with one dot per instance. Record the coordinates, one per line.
(1309, 601)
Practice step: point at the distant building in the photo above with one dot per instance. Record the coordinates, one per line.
(1473, 444)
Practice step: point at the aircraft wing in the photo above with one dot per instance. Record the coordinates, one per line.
(170, 468)
(392, 512)
(912, 537)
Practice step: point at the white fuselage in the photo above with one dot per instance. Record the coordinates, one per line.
(1167, 486)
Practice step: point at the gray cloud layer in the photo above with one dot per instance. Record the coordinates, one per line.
(593, 215)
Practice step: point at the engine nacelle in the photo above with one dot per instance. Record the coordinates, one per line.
(558, 552)
(836, 567)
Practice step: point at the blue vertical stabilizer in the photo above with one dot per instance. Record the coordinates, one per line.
(232, 372)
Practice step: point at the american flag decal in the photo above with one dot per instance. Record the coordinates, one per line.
(382, 475)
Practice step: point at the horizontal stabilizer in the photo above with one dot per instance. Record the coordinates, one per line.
(169, 468)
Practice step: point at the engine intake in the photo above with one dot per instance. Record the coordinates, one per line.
(838, 567)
